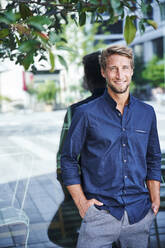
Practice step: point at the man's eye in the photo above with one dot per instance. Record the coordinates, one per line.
(112, 68)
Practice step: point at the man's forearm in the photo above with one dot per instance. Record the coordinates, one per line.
(77, 194)
(80, 199)
(154, 191)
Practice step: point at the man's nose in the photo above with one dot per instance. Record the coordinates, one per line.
(119, 73)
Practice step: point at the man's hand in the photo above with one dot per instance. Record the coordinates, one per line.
(155, 207)
(85, 204)
(154, 191)
(80, 200)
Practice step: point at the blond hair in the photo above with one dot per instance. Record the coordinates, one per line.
(116, 49)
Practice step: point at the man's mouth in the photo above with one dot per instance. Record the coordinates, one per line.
(119, 82)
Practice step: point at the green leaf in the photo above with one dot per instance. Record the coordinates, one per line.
(117, 7)
(101, 9)
(152, 23)
(64, 48)
(53, 38)
(141, 26)
(144, 8)
(29, 46)
(133, 17)
(17, 40)
(79, 6)
(74, 18)
(63, 14)
(62, 61)
(38, 22)
(42, 36)
(27, 61)
(4, 20)
(113, 20)
(12, 17)
(129, 30)
(52, 60)
(115, 4)
(25, 11)
(3, 33)
(82, 18)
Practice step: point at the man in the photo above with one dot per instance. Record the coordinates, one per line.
(116, 135)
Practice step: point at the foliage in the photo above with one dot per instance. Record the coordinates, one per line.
(81, 39)
(31, 90)
(5, 98)
(132, 87)
(47, 92)
(154, 72)
(139, 66)
(29, 28)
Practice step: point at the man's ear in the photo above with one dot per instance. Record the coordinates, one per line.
(103, 72)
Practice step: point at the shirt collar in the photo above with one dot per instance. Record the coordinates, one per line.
(112, 102)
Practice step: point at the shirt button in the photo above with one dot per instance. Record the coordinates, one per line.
(123, 129)
(124, 145)
(125, 160)
(125, 176)
(119, 114)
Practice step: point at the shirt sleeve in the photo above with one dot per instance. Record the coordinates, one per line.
(64, 132)
(72, 148)
(153, 153)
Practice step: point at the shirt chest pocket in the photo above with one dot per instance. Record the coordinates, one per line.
(141, 137)
(141, 131)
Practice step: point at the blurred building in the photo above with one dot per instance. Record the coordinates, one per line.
(17, 87)
(13, 86)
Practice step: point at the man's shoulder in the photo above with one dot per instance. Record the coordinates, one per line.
(84, 101)
(144, 107)
(88, 100)
(89, 106)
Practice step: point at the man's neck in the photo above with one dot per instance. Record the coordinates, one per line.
(120, 99)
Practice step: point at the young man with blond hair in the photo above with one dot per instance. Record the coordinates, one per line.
(118, 192)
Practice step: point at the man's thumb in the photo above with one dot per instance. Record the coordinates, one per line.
(98, 203)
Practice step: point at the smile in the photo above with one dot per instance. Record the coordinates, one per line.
(120, 82)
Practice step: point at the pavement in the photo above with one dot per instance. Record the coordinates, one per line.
(29, 141)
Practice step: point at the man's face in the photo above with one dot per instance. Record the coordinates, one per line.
(118, 73)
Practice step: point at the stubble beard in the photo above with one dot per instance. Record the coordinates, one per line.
(117, 91)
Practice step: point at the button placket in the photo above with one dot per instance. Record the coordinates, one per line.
(124, 143)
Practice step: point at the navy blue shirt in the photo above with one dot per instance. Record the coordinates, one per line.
(118, 154)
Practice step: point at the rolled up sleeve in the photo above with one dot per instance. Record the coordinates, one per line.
(153, 153)
(72, 148)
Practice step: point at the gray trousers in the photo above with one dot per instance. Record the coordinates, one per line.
(99, 229)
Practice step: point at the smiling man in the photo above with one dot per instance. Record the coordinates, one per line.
(118, 192)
